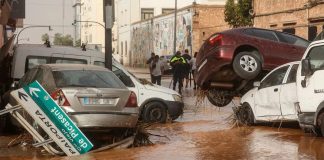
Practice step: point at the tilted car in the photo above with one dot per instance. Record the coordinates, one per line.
(274, 99)
(229, 60)
(93, 97)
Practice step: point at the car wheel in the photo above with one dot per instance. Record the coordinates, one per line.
(320, 125)
(219, 98)
(155, 112)
(245, 115)
(247, 65)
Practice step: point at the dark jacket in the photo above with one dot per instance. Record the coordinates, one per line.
(178, 64)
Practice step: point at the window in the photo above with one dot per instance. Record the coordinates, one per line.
(167, 10)
(86, 78)
(122, 49)
(292, 74)
(312, 33)
(123, 77)
(289, 30)
(316, 56)
(33, 61)
(69, 61)
(320, 36)
(99, 63)
(275, 78)
(147, 13)
(269, 35)
(294, 40)
(125, 48)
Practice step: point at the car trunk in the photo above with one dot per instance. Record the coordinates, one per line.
(96, 99)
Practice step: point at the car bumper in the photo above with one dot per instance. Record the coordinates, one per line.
(104, 120)
(208, 68)
(175, 109)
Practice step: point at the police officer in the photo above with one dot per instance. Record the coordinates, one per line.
(178, 64)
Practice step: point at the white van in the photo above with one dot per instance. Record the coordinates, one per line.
(310, 88)
(156, 103)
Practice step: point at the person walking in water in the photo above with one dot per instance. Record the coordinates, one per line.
(178, 66)
(156, 70)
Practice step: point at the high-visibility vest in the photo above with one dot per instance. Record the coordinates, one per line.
(181, 59)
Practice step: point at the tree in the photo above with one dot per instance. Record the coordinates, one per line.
(237, 15)
(66, 40)
(78, 43)
(45, 37)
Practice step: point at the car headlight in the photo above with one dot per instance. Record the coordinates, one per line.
(177, 98)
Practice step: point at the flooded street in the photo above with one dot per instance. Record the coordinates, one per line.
(203, 132)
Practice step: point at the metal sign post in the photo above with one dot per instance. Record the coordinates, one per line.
(51, 118)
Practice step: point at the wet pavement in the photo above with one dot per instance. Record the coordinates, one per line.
(203, 132)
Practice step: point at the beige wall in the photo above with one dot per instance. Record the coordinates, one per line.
(210, 19)
(276, 14)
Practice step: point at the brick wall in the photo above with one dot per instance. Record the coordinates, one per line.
(283, 14)
(208, 20)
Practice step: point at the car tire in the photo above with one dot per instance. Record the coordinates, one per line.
(247, 65)
(319, 131)
(245, 115)
(155, 112)
(219, 98)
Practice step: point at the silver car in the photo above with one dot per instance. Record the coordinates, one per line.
(92, 96)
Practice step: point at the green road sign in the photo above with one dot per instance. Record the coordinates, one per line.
(79, 141)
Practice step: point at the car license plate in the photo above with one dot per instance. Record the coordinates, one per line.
(98, 101)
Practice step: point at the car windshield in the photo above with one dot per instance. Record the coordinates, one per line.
(86, 78)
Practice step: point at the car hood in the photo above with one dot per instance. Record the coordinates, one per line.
(161, 89)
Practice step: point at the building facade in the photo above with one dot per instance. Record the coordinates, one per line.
(126, 13)
(195, 23)
(304, 18)
(92, 25)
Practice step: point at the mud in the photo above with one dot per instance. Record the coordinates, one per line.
(203, 132)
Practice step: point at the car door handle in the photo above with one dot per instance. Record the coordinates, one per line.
(275, 90)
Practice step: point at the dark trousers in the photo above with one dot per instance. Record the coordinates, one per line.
(177, 79)
(156, 80)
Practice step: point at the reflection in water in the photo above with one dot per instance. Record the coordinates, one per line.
(203, 135)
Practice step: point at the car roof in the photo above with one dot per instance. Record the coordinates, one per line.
(40, 49)
(73, 67)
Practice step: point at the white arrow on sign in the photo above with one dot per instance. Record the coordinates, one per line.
(33, 91)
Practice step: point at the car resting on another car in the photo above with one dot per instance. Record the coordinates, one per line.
(229, 61)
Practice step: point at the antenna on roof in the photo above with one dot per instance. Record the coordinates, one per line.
(47, 43)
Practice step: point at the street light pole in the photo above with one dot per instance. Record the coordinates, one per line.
(36, 26)
(108, 19)
(175, 28)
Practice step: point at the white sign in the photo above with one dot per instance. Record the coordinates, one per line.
(43, 121)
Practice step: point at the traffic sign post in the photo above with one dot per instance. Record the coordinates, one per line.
(52, 119)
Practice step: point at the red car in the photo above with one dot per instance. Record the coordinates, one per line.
(228, 61)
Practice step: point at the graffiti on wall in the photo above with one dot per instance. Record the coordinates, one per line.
(141, 43)
(158, 35)
(164, 33)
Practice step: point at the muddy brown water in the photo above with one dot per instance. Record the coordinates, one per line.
(202, 133)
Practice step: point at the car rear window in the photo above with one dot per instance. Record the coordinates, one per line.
(86, 78)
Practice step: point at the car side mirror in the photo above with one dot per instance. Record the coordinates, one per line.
(257, 84)
(306, 69)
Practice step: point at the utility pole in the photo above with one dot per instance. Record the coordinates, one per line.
(175, 28)
(108, 19)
